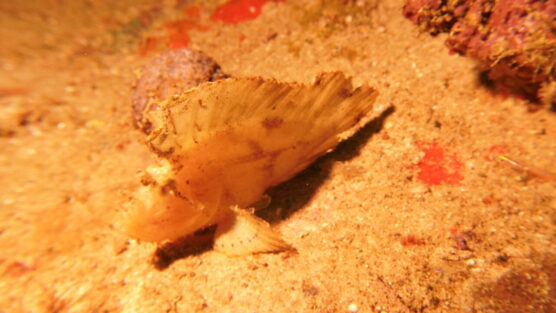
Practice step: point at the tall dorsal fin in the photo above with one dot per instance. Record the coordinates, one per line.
(326, 108)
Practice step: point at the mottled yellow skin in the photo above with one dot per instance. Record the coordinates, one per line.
(224, 143)
(233, 167)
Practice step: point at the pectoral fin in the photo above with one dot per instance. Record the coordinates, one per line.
(242, 233)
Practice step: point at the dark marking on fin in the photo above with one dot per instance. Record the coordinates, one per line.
(272, 122)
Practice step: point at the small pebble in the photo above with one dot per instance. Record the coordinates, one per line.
(8, 201)
(352, 307)
(420, 189)
(69, 89)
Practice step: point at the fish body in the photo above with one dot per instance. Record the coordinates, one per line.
(223, 143)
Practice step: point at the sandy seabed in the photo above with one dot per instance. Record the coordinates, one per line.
(415, 213)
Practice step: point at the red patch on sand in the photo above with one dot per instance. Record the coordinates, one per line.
(411, 240)
(437, 167)
(194, 12)
(239, 11)
(178, 33)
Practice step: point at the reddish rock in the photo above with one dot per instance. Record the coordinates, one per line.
(170, 73)
(514, 39)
